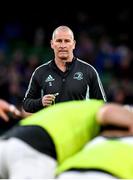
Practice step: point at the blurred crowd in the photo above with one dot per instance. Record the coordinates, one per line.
(20, 54)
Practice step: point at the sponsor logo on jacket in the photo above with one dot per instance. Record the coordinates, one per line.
(49, 78)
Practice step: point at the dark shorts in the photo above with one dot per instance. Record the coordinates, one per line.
(35, 136)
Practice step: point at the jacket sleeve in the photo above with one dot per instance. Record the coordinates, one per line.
(96, 87)
(32, 101)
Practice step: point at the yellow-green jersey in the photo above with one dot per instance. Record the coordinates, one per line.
(114, 156)
(70, 125)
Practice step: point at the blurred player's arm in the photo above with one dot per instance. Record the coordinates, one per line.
(25, 114)
(6, 108)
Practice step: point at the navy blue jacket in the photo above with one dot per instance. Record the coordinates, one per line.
(80, 81)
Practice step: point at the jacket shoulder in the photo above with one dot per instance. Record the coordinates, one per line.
(43, 66)
(85, 64)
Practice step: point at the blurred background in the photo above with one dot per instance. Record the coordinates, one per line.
(102, 32)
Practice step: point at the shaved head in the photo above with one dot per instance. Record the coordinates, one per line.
(64, 29)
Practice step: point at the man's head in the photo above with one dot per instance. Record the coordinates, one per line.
(118, 116)
(63, 43)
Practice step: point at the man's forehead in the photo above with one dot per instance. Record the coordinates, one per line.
(63, 34)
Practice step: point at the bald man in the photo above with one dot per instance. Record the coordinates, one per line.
(64, 78)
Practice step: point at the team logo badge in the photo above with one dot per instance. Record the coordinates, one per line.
(78, 75)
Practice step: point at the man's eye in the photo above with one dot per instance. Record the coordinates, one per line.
(59, 40)
(67, 40)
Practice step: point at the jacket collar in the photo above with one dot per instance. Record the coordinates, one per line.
(69, 64)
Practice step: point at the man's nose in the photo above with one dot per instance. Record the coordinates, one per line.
(63, 44)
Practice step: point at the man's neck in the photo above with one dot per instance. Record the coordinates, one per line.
(61, 66)
(61, 63)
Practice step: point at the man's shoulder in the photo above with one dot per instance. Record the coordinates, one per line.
(85, 64)
(43, 66)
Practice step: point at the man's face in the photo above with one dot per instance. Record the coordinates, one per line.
(63, 44)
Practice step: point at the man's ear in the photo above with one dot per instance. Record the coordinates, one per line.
(51, 43)
(74, 44)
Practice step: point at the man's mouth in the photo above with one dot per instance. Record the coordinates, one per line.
(63, 51)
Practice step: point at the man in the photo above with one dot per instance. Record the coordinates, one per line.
(46, 139)
(64, 78)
